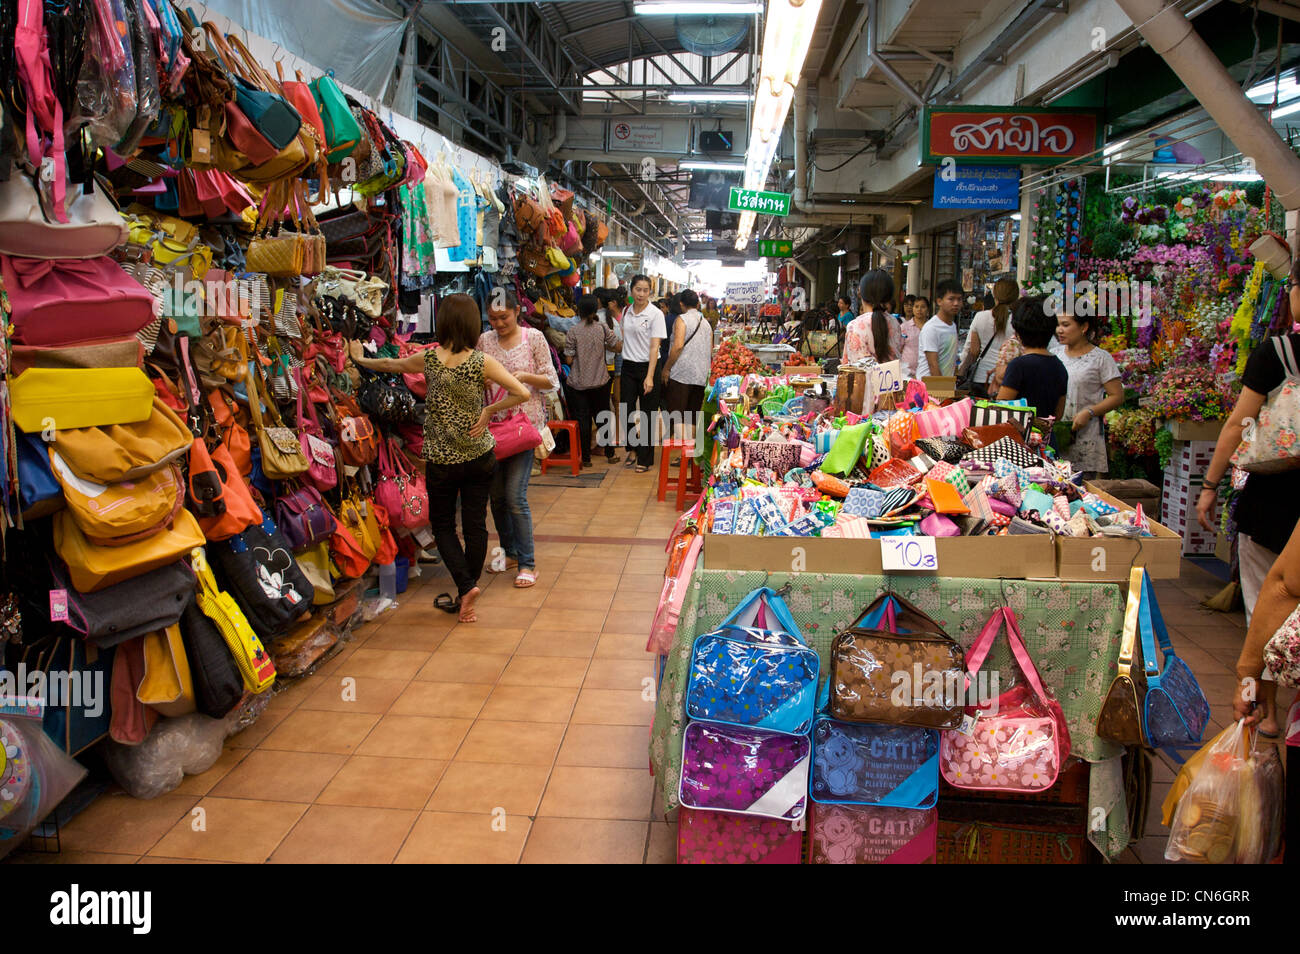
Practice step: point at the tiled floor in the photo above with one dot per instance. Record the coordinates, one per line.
(522, 737)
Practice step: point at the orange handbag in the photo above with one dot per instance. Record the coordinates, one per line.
(242, 511)
(233, 436)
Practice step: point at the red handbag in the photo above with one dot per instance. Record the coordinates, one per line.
(65, 301)
(400, 490)
(322, 465)
(387, 551)
(514, 435)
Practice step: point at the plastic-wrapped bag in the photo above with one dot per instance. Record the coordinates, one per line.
(106, 88)
(175, 748)
(1268, 784)
(1208, 824)
(35, 774)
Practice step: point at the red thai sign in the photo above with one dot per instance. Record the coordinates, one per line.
(974, 134)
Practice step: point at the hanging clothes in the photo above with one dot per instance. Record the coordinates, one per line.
(467, 219)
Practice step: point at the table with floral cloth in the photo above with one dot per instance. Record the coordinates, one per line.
(1072, 631)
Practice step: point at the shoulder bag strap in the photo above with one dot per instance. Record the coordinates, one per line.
(1151, 624)
(979, 650)
(1021, 653)
(1286, 354)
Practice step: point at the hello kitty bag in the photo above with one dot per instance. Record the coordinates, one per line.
(892, 765)
(870, 835)
(1017, 743)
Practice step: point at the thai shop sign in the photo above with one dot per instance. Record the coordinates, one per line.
(745, 293)
(977, 187)
(995, 135)
(765, 203)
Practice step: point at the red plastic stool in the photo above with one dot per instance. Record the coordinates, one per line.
(574, 459)
(688, 479)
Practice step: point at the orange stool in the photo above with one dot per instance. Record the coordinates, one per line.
(688, 479)
(574, 459)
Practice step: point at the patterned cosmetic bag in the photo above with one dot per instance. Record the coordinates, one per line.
(747, 771)
(872, 835)
(721, 838)
(890, 765)
(752, 678)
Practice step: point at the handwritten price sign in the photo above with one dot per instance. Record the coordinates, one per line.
(885, 378)
(908, 553)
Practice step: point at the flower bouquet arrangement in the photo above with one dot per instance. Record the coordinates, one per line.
(1133, 430)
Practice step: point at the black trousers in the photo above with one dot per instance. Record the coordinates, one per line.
(466, 485)
(634, 398)
(586, 404)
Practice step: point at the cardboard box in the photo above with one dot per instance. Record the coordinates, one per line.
(1107, 559)
(1195, 430)
(1027, 556)
(940, 387)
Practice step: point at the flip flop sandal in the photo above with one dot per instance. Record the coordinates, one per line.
(642, 468)
(525, 579)
(1271, 736)
(446, 603)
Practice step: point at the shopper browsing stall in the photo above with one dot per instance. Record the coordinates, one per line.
(687, 370)
(586, 346)
(875, 333)
(643, 331)
(1036, 375)
(915, 314)
(525, 353)
(458, 446)
(938, 344)
(611, 315)
(988, 332)
(1094, 389)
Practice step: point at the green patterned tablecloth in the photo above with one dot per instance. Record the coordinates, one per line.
(1072, 631)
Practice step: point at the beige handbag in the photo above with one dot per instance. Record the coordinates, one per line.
(282, 456)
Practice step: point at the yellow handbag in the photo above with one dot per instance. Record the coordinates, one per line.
(107, 513)
(167, 685)
(110, 455)
(359, 518)
(94, 567)
(254, 662)
(315, 565)
(282, 456)
(557, 258)
(63, 398)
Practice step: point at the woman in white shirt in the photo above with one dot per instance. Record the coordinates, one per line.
(988, 333)
(643, 332)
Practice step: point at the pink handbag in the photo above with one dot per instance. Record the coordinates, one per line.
(947, 421)
(1018, 743)
(322, 464)
(400, 490)
(514, 435)
(58, 302)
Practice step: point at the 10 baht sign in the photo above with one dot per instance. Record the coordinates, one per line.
(1009, 136)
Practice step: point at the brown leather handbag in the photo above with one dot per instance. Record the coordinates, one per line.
(898, 669)
(986, 434)
(1120, 719)
(529, 217)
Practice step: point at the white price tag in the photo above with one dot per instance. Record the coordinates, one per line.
(908, 553)
(885, 378)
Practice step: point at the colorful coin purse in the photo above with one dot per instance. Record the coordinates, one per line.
(752, 678)
(889, 765)
(869, 835)
(748, 771)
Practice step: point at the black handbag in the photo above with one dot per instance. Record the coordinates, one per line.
(257, 568)
(386, 398)
(142, 604)
(218, 686)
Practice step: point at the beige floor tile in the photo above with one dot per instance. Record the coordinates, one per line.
(383, 782)
(487, 787)
(621, 645)
(593, 602)
(559, 671)
(280, 776)
(346, 693)
(606, 746)
(641, 583)
(581, 567)
(554, 642)
(384, 663)
(256, 733)
(116, 822)
(230, 829)
(415, 737)
(202, 783)
(66, 857)
(529, 704)
(344, 834)
(317, 730)
(480, 638)
(519, 743)
(613, 707)
(409, 637)
(506, 616)
(662, 849)
(458, 700)
(463, 667)
(585, 841)
(458, 838)
(513, 597)
(569, 620)
(620, 674)
(585, 792)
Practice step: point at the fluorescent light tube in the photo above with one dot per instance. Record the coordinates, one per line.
(705, 166)
(704, 96)
(702, 8)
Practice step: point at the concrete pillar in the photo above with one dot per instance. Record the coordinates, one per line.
(1026, 232)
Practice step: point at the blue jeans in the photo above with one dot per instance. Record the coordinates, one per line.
(510, 510)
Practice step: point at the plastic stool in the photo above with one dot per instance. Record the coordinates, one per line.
(574, 459)
(688, 479)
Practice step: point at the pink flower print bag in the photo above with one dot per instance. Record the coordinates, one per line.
(721, 838)
(747, 771)
(1271, 445)
(1019, 741)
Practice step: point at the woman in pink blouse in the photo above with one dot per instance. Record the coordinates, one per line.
(525, 352)
(875, 332)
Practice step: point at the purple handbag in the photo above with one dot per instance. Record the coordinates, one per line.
(303, 518)
(749, 771)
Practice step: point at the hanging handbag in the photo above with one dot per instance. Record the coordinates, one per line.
(752, 678)
(142, 604)
(218, 686)
(56, 302)
(166, 686)
(257, 568)
(239, 510)
(303, 518)
(93, 567)
(232, 434)
(747, 771)
(358, 443)
(514, 435)
(90, 226)
(1175, 710)
(39, 493)
(400, 489)
(387, 399)
(894, 637)
(892, 765)
(117, 514)
(252, 659)
(1270, 445)
(322, 470)
(315, 565)
(1018, 742)
(342, 132)
(282, 456)
(123, 452)
(344, 546)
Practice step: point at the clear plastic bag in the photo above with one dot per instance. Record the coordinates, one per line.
(48, 775)
(175, 748)
(106, 88)
(1207, 827)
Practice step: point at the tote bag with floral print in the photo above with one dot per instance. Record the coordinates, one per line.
(1273, 443)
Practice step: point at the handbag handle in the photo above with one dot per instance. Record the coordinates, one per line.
(980, 650)
(1150, 621)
